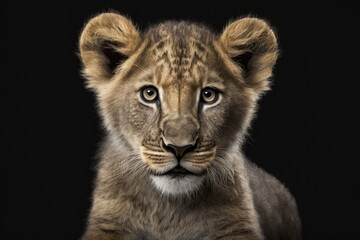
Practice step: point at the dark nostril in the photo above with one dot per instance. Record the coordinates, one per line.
(179, 152)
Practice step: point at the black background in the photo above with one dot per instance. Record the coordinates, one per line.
(306, 132)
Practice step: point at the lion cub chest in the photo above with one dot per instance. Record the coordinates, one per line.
(162, 222)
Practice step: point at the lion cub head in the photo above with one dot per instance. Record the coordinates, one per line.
(178, 95)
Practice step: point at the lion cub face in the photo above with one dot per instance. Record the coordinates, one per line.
(174, 93)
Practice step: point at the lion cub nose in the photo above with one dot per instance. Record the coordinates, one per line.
(180, 135)
(179, 151)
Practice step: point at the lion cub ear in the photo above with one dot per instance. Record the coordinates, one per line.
(252, 44)
(106, 41)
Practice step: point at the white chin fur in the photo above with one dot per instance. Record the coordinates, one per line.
(177, 186)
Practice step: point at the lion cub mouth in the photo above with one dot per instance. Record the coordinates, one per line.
(176, 172)
(177, 181)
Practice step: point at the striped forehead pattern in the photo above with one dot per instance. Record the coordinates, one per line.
(181, 52)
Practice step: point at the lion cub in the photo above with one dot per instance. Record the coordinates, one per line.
(176, 101)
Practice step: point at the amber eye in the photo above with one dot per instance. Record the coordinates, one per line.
(209, 95)
(149, 94)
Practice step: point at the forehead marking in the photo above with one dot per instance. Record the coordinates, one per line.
(179, 60)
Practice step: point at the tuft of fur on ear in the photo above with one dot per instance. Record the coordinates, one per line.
(250, 43)
(106, 41)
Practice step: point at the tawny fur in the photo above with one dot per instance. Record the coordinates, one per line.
(229, 197)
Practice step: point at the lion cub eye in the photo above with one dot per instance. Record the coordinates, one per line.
(149, 94)
(209, 95)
